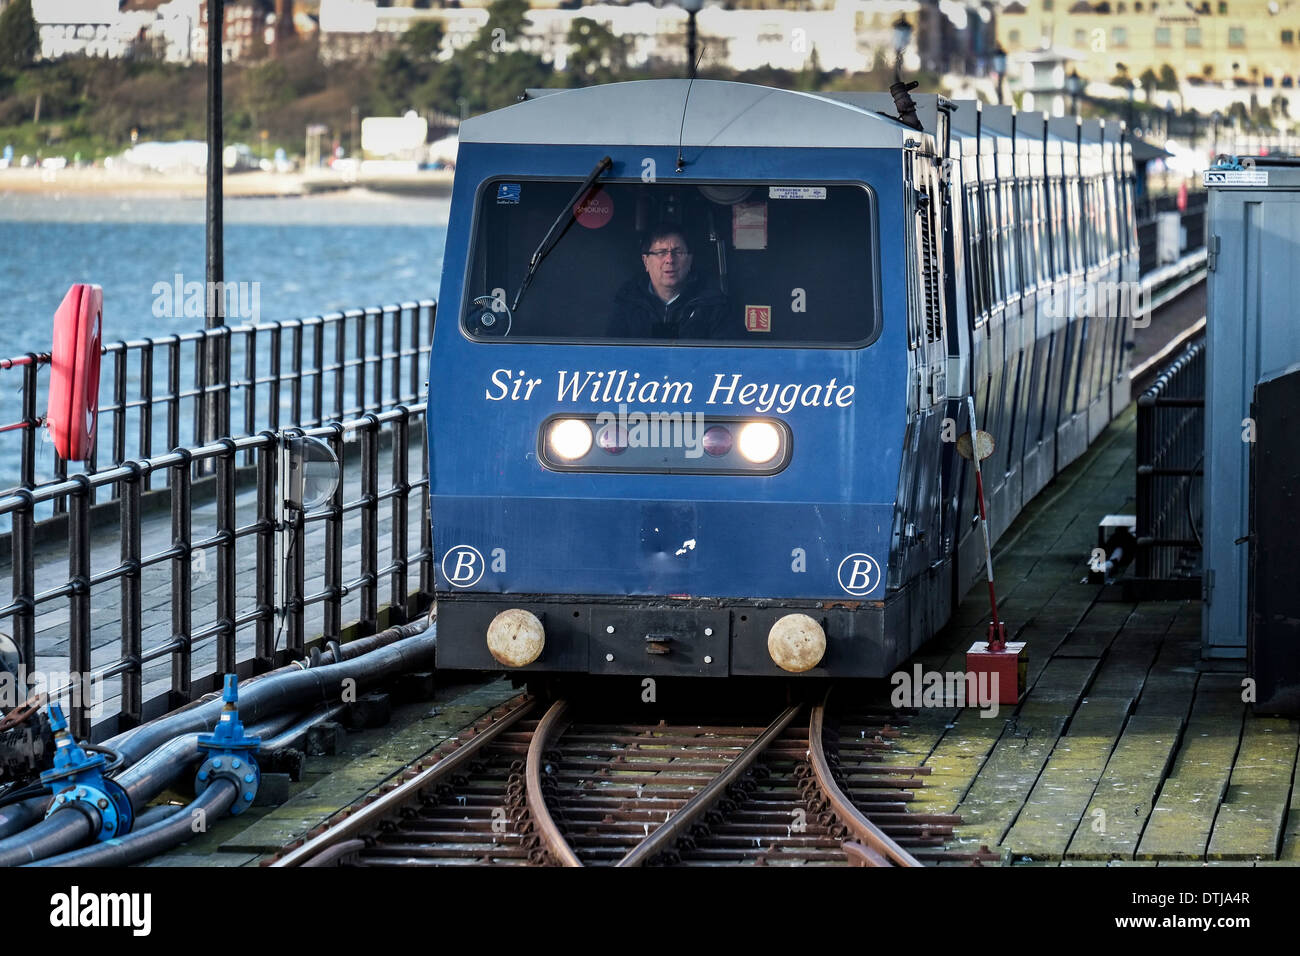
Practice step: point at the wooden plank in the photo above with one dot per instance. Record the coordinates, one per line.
(1291, 837)
(1251, 819)
(1127, 665)
(1119, 808)
(999, 790)
(1088, 641)
(1171, 684)
(956, 759)
(1055, 807)
(1183, 817)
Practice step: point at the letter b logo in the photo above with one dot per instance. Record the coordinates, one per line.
(859, 574)
(462, 566)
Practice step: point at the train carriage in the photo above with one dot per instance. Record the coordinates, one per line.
(701, 351)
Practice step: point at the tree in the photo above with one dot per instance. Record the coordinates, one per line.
(1168, 80)
(490, 75)
(598, 55)
(423, 41)
(19, 42)
(1148, 82)
(810, 77)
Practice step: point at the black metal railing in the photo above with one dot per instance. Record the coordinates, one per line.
(1191, 222)
(1170, 459)
(166, 605)
(300, 372)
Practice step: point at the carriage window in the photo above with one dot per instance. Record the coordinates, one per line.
(734, 264)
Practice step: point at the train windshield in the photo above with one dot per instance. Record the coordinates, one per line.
(723, 264)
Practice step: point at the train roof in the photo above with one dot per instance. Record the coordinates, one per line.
(928, 105)
(650, 113)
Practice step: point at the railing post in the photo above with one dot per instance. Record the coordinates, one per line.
(24, 576)
(132, 707)
(79, 648)
(119, 409)
(274, 422)
(226, 613)
(426, 527)
(296, 586)
(370, 525)
(377, 386)
(333, 611)
(268, 512)
(182, 579)
(318, 383)
(146, 409)
(250, 388)
(30, 423)
(400, 505)
(173, 391)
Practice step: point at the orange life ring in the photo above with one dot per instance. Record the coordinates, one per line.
(73, 411)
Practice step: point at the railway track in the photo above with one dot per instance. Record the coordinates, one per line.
(527, 786)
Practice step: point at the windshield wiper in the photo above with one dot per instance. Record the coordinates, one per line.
(555, 233)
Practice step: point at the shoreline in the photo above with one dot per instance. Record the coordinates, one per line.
(55, 184)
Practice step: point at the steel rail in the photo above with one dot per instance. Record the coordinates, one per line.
(676, 825)
(552, 725)
(875, 847)
(372, 814)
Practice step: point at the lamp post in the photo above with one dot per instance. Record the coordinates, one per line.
(692, 7)
(1074, 83)
(215, 401)
(1132, 92)
(1215, 117)
(1000, 68)
(902, 37)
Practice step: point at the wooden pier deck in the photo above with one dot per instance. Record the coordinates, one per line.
(1127, 749)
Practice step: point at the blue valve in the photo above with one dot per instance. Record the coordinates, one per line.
(230, 754)
(77, 780)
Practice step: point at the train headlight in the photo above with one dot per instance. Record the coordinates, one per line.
(796, 643)
(516, 637)
(759, 442)
(570, 438)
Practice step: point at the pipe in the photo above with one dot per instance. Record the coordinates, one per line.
(349, 651)
(152, 840)
(293, 690)
(21, 815)
(61, 831)
(157, 771)
(164, 811)
(300, 728)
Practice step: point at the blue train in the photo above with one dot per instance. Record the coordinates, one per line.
(703, 351)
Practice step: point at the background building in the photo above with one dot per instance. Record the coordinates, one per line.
(1230, 44)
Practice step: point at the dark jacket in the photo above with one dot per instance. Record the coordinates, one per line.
(698, 312)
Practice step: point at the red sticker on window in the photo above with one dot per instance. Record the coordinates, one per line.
(758, 318)
(594, 210)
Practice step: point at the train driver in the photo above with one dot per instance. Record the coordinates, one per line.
(669, 301)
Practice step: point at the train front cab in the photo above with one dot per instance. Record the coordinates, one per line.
(645, 561)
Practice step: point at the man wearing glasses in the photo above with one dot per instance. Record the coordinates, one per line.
(669, 302)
